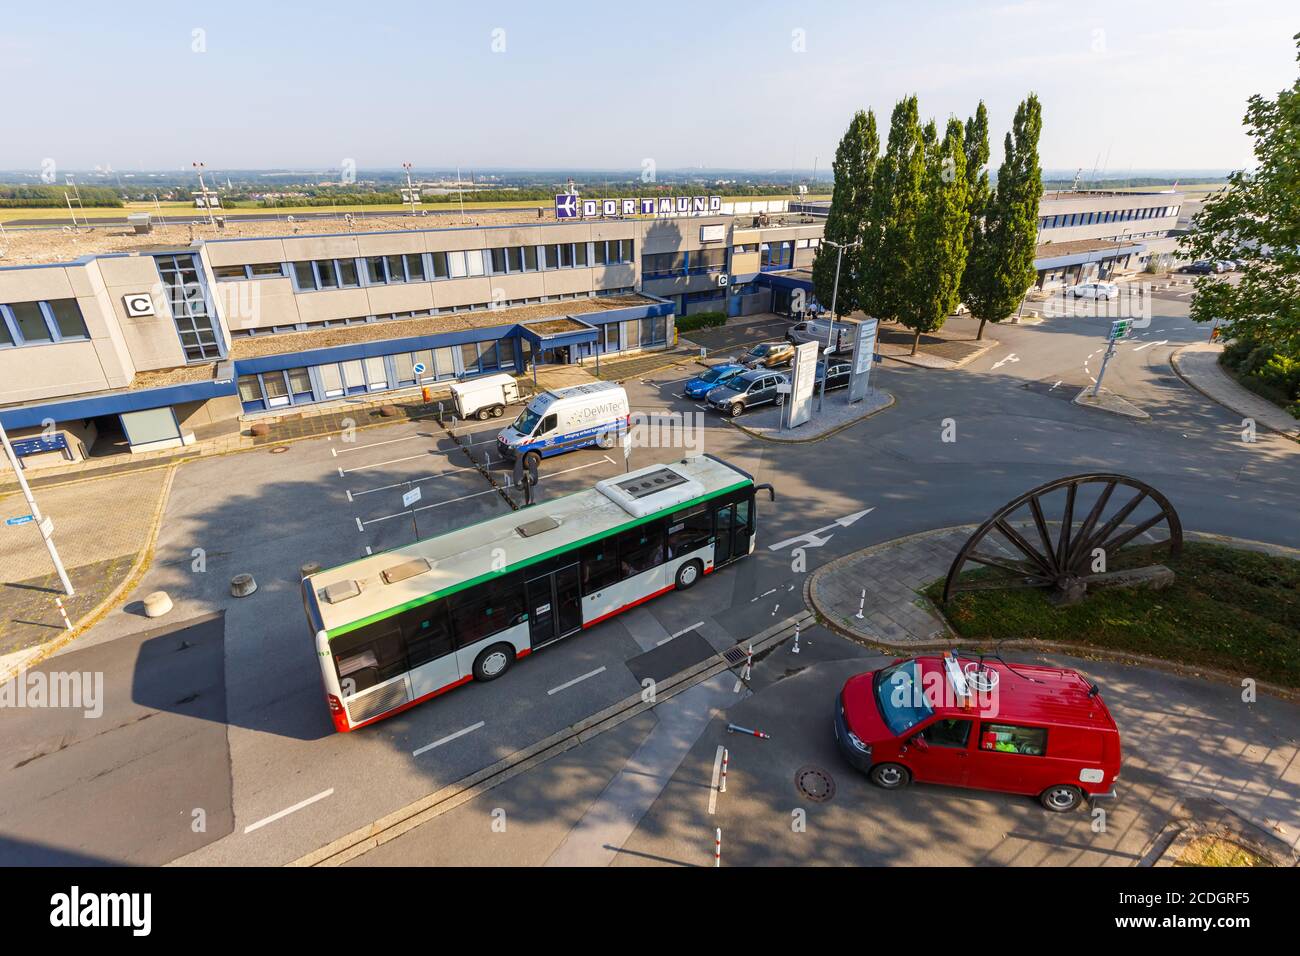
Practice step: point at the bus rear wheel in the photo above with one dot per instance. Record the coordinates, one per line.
(493, 661)
(688, 574)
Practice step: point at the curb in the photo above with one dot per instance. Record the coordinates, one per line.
(395, 824)
(827, 619)
(127, 584)
(1173, 363)
(1084, 400)
(816, 438)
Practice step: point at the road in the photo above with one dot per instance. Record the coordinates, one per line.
(295, 785)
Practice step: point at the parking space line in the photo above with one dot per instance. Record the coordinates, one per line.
(450, 737)
(381, 464)
(376, 444)
(455, 469)
(576, 680)
(436, 504)
(288, 810)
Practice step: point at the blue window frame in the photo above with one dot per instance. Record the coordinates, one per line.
(192, 312)
(42, 323)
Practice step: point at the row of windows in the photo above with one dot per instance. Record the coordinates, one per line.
(351, 273)
(1112, 215)
(382, 651)
(41, 323)
(189, 306)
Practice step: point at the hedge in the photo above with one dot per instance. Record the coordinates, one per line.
(700, 320)
(1265, 371)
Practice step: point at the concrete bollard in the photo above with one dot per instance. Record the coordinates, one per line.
(242, 585)
(157, 604)
(308, 569)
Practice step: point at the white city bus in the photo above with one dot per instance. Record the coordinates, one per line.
(397, 628)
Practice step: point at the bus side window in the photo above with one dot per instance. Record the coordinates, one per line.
(640, 549)
(745, 513)
(599, 565)
(487, 608)
(368, 656)
(427, 633)
(689, 531)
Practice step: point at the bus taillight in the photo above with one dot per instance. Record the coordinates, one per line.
(339, 715)
(336, 705)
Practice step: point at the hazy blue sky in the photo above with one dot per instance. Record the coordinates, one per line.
(609, 84)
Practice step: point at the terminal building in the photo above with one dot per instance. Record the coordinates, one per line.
(154, 346)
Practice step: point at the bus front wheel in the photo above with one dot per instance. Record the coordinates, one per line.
(688, 574)
(493, 662)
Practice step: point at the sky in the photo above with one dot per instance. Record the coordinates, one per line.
(1125, 86)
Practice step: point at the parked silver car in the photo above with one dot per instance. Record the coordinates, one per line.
(755, 387)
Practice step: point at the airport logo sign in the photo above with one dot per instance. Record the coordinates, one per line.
(569, 206)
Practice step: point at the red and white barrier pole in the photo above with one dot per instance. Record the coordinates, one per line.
(749, 661)
(737, 729)
(717, 847)
(726, 755)
(63, 611)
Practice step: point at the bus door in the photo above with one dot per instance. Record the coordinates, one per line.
(731, 524)
(554, 605)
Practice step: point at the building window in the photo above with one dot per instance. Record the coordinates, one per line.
(67, 319)
(189, 305)
(707, 261)
(348, 273)
(610, 336)
(230, 272)
(414, 267)
(265, 270)
(663, 264)
(439, 260)
(300, 384)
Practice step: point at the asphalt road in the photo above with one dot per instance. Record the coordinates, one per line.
(295, 785)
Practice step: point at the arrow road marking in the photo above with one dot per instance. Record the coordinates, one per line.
(1010, 358)
(815, 539)
(1145, 344)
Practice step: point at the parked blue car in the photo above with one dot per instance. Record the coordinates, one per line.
(716, 376)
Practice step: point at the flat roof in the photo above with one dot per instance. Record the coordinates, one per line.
(463, 557)
(280, 343)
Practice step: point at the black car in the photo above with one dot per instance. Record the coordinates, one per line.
(840, 374)
(1199, 268)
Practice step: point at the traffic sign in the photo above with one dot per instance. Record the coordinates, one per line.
(411, 497)
(419, 368)
(566, 206)
(1119, 329)
(21, 519)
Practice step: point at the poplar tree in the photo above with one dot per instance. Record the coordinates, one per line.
(1002, 261)
(940, 252)
(854, 167)
(976, 141)
(890, 253)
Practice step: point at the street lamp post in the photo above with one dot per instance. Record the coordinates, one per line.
(41, 522)
(835, 293)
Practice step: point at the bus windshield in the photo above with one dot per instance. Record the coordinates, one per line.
(900, 697)
(527, 421)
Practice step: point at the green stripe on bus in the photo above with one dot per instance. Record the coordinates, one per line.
(446, 592)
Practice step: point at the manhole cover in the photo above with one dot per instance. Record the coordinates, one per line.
(815, 784)
(279, 449)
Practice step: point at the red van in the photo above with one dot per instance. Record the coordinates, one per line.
(1041, 731)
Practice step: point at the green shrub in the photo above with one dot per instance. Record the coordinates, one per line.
(1255, 360)
(1282, 373)
(700, 320)
(1235, 352)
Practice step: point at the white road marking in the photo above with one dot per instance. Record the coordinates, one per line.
(349, 494)
(284, 813)
(455, 469)
(381, 464)
(815, 539)
(717, 776)
(334, 452)
(376, 444)
(450, 737)
(1145, 344)
(684, 630)
(360, 526)
(576, 680)
(1010, 358)
(436, 504)
(368, 551)
(1058, 382)
(592, 464)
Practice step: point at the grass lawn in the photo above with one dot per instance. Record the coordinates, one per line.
(1230, 609)
(1217, 851)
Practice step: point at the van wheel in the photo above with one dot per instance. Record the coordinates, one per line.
(532, 459)
(497, 411)
(483, 414)
(493, 662)
(890, 776)
(1062, 798)
(688, 574)
(736, 409)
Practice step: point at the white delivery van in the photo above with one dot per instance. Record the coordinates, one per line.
(485, 397)
(565, 419)
(819, 331)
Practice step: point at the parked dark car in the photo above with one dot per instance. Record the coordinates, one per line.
(1198, 268)
(755, 387)
(840, 374)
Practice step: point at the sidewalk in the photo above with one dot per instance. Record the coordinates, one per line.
(1198, 366)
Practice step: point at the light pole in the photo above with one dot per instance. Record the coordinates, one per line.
(42, 523)
(835, 293)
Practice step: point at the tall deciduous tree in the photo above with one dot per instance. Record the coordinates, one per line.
(1001, 266)
(976, 142)
(890, 250)
(1257, 219)
(855, 167)
(940, 251)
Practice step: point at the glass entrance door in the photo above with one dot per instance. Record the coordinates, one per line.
(554, 605)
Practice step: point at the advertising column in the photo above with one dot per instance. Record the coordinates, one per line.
(864, 350)
(804, 369)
